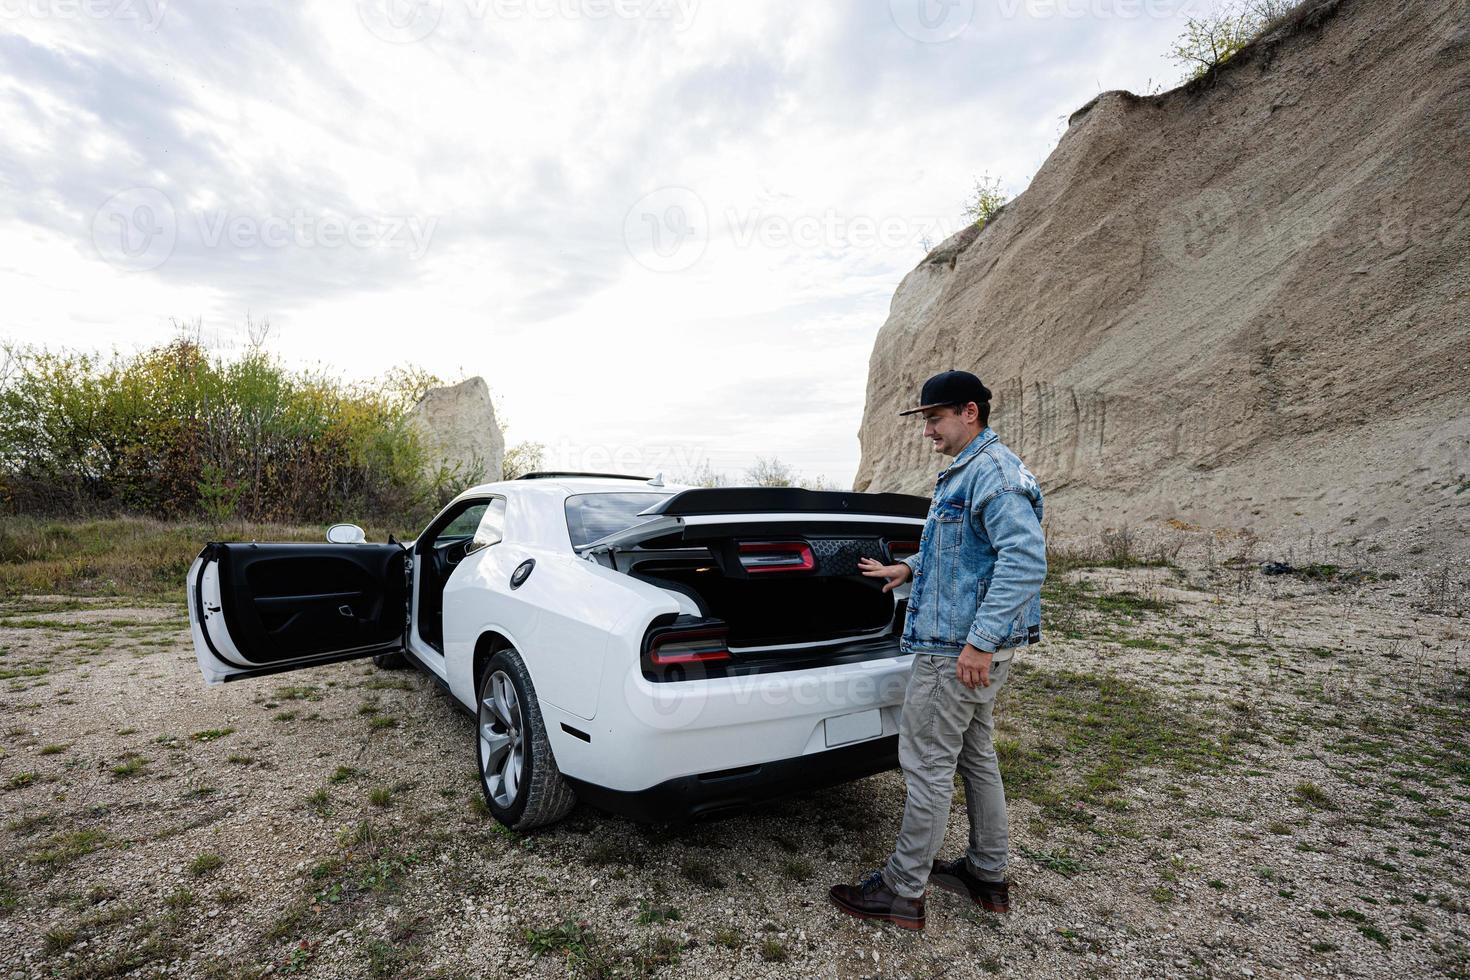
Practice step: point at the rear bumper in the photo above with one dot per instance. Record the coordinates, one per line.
(652, 734)
(713, 794)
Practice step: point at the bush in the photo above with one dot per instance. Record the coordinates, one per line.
(523, 458)
(988, 200)
(767, 472)
(176, 432)
(1209, 42)
(770, 473)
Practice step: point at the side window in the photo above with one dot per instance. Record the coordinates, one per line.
(491, 529)
(462, 525)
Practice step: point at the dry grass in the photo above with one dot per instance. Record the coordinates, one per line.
(122, 556)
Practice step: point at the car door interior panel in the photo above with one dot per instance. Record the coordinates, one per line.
(283, 601)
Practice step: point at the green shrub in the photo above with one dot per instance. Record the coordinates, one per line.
(1208, 42)
(987, 201)
(204, 864)
(176, 431)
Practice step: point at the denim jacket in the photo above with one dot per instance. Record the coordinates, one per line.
(981, 559)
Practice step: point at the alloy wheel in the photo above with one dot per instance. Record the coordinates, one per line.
(502, 753)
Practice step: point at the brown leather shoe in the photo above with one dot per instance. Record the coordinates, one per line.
(956, 876)
(872, 899)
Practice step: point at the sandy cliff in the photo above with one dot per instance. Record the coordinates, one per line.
(1243, 303)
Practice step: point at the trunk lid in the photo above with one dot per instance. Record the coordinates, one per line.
(702, 515)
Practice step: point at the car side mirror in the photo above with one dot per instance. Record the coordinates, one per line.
(346, 534)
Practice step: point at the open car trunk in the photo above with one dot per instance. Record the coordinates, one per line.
(773, 605)
(774, 570)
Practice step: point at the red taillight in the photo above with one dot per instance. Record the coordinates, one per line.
(898, 549)
(776, 556)
(688, 647)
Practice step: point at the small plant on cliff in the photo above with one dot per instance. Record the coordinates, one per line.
(1268, 11)
(1209, 42)
(988, 199)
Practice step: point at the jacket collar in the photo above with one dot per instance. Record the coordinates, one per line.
(985, 437)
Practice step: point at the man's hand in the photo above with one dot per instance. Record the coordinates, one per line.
(896, 574)
(974, 667)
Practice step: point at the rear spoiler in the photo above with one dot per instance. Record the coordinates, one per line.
(786, 500)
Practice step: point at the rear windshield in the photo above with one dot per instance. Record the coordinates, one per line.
(596, 515)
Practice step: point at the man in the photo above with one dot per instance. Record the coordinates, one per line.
(976, 596)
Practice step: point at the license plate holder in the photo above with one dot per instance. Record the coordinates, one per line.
(860, 725)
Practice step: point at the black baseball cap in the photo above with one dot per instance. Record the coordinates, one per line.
(950, 388)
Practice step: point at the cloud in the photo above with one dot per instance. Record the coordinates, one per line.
(464, 201)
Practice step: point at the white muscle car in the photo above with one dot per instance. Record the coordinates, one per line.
(657, 651)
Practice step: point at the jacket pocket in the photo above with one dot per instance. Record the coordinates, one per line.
(944, 586)
(949, 527)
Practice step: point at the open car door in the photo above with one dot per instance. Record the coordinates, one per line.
(259, 609)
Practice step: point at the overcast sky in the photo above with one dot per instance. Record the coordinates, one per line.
(666, 232)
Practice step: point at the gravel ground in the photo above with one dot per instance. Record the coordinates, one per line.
(1212, 773)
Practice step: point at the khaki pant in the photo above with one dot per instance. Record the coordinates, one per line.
(946, 727)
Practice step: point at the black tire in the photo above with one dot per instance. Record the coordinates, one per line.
(391, 661)
(518, 749)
